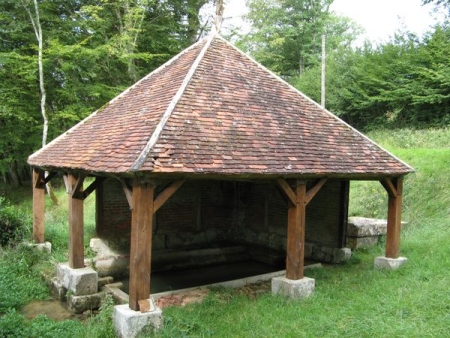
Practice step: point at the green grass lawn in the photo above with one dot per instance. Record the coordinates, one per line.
(350, 300)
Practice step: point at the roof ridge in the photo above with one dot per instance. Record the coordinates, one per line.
(312, 101)
(83, 121)
(171, 107)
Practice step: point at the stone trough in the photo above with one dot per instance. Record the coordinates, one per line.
(365, 232)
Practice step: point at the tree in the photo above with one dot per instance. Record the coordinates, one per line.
(286, 34)
(88, 52)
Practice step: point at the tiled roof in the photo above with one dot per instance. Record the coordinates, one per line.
(221, 113)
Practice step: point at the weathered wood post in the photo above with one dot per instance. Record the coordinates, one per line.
(295, 251)
(392, 260)
(141, 242)
(295, 284)
(38, 205)
(394, 221)
(76, 221)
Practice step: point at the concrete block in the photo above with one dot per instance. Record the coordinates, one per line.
(366, 227)
(79, 282)
(341, 255)
(80, 304)
(296, 289)
(362, 242)
(385, 263)
(129, 323)
(47, 247)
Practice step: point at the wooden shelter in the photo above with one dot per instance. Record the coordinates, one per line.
(210, 114)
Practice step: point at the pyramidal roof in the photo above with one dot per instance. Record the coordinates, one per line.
(212, 109)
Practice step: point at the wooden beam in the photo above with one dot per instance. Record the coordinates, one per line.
(295, 251)
(141, 242)
(38, 205)
(77, 190)
(314, 190)
(90, 189)
(67, 184)
(287, 191)
(394, 221)
(38, 178)
(164, 195)
(128, 193)
(76, 225)
(50, 176)
(389, 186)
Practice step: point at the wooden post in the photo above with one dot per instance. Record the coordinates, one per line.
(295, 258)
(38, 205)
(141, 242)
(394, 221)
(76, 225)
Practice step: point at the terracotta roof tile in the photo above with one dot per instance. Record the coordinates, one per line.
(234, 117)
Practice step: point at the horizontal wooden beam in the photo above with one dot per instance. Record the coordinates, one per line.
(314, 190)
(166, 194)
(290, 194)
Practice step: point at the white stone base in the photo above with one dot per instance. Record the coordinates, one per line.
(46, 246)
(129, 323)
(301, 288)
(386, 263)
(80, 282)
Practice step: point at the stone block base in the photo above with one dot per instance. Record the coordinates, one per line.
(58, 291)
(129, 323)
(80, 304)
(301, 288)
(79, 282)
(385, 263)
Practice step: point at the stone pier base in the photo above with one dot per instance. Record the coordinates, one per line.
(79, 287)
(301, 288)
(129, 323)
(386, 263)
(79, 282)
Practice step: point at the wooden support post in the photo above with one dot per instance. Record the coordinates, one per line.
(295, 258)
(141, 242)
(38, 205)
(394, 222)
(76, 224)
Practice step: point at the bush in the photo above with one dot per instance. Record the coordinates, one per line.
(13, 224)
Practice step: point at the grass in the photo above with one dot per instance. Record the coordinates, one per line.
(351, 300)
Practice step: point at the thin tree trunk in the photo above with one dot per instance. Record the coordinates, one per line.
(36, 23)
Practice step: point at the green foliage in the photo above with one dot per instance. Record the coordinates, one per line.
(286, 35)
(19, 281)
(14, 224)
(93, 50)
(401, 83)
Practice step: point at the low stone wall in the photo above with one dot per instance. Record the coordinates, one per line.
(365, 232)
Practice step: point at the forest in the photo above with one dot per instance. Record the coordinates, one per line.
(61, 60)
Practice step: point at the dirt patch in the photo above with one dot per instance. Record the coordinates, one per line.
(53, 309)
(252, 291)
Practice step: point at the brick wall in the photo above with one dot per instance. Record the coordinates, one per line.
(202, 213)
(113, 214)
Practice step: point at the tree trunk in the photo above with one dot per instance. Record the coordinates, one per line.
(36, 23)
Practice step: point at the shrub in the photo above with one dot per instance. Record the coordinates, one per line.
(13, 224)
